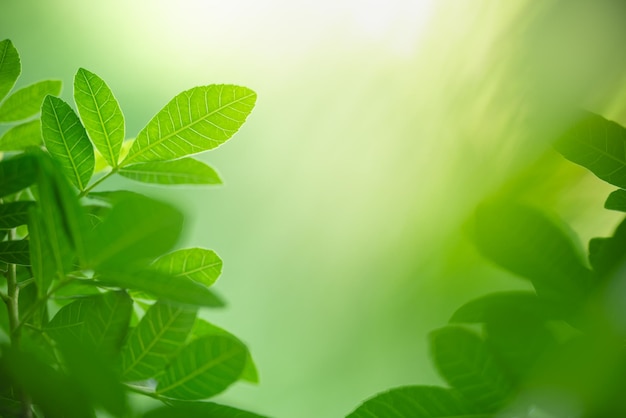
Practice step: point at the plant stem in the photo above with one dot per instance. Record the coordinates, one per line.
(97, 182)
(33, 308)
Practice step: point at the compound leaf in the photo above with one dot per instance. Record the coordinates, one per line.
(199, 410)
(418, 402)
(17, 173)
(14, 214)
(100, 113)
(182, 171)
(10, 67)
(196, 120)
(15, 252)
(160, 333)
(198, 264)
(204, 368)
(26, 102)
(22, 136)
(67, 141)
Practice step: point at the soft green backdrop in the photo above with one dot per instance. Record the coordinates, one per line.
(379, 125)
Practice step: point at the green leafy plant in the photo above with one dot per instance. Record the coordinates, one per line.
(97, 303)
(555, 351)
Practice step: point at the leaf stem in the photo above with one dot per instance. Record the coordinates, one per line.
(33, 308)
(97, 182)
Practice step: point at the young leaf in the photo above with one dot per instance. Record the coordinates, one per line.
(100, 113)
(418, 402)
(15, 252)
(182, 171)
(67, 141)
(159, 334)
(199, 410)
(198, 264)
(26, 102)
(14, 214)
(466, 363)
(598, 145)
(41, 256)
(196, 120)
(17, 173)
(204, 368)
(10, 67)
(616, 201)
(22, 136)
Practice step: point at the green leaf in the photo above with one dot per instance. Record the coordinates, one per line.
(199, 410)
(418, 402)
(100, 113)
(204, 368)
(107, 322)
(22, 136)
(182, 171)
(10, 67)
(41, 256)
(14, 214)
(17, 173)
(196, 120)
(15, 252)
(67, 141)
(466, 363)
(136, 231)
(162, 286)
(197, 264)
(597, 144)
(26, 102)
(530, 244)
(69, 322)
(616, 201)
(160, 333)
(607, 255)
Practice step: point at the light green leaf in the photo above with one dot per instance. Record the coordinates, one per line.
(200, 410)
(196, 120)
(41, 256)
(107, 322)
(14, 214)
(22, 136)
(418, 402)
(100, 113)
(198, 264)
(160, 333)
(204, 368)
(616, 201)
(26, 102)
(466, 363)
(17, 173)
(10, 67)
(182, 171)
(15, 252)
(67, 141)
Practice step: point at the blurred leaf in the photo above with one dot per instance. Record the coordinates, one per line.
(107, 322)
(115, 196)
(15, 252)
(598, 145)
(160, 333)
(198, 264)
(17, 173)
(10, 67)
(199, 410)
(595, 249)
(22, 136)
(182, 171)
(26, 102)
(418, 402)
(196, 120)
(14, 213)
(204, 368)
(616, 201)
(41, 256)
(67, 141)
(528, 243)
(100, 113)
(467, 364)
(609, 254)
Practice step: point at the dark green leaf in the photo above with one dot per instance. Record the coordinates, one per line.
(616, 201)
(196, 120)
(67, 141)
(182, 171)
(530, 244)
(26, 102)
(22, 136)
(200, 410)
(17, 173)
(10, 67)
(15, 252)
(160, 333)
(100, 113)
(69, 322)
(41, 256)
(607, 255)
(198, 264)
(204, 368)
(14, 214)
(467, 364)
(418, 402)
(107, 322)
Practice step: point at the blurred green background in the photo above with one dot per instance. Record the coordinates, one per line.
(379, 126)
